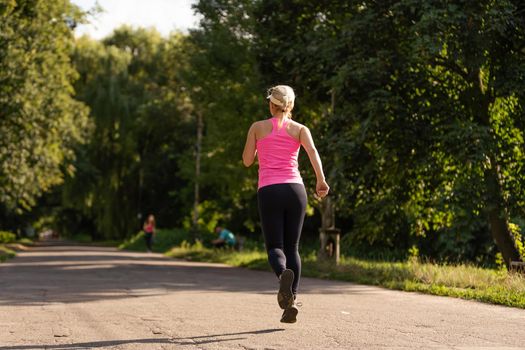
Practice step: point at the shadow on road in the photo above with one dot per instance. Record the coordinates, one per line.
(197, 340)
(88, 345)
(79, 274)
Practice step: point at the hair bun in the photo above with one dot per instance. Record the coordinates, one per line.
(282, 96)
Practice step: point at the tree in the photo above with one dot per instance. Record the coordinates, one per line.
(130, 165)
(40, 121)
(444, 106)
(422, 115)
(225, 90)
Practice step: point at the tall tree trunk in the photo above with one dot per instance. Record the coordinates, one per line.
(198, 147)
(494, 202)
(498, 217)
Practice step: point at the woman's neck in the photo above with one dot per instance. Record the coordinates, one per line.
(279, 115)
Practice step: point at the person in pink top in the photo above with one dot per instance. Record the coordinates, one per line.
(281, 194)
(149, 231)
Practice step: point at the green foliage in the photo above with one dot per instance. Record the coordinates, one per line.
(419, 122)
(518, 237)
(129, 168)
(210, 216)
(40, 122)
(223, 85)
(7, 237)
(422, 129)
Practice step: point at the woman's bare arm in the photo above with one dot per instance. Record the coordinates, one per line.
(307, 142)
(248, 155)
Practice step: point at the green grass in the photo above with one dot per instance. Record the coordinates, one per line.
(250, 258)
(8, 250)
(164, 240)
(6, 253)
(461, 281)
(26, 241)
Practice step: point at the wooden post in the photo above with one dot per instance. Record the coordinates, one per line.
(328, 234)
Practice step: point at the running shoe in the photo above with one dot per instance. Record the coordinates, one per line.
(290, 314)
(285, 296)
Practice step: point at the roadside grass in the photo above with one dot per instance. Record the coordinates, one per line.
(164, 240)
(26, 241)
(6, 253)
(8, 250)
(249, 258)
(454, 280)
(461, 281)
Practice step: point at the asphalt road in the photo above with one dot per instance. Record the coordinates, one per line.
(71, 297)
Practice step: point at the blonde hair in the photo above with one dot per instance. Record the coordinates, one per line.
(283, 97)
(152, 217)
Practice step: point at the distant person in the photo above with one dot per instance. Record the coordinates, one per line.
(226, 238)
(149, 232)
(281, 194)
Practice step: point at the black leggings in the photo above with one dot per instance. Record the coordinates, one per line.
(148, 236)
(282, 208)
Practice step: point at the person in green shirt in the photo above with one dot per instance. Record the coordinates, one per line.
(226, 238)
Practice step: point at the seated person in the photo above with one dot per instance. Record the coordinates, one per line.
(226, 238)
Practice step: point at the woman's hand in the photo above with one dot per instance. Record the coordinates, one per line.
(322, 188)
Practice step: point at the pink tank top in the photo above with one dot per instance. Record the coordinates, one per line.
(277, 153)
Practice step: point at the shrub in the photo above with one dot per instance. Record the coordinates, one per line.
(7, 237)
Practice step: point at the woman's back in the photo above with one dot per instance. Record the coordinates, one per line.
(278, 151)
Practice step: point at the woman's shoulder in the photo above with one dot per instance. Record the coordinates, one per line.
(262, 126)
(296, 127)
(296, 124)
(261, 123)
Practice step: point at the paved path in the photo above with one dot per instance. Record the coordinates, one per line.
(73, 297)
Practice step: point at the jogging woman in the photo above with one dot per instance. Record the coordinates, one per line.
(281, 194)
(149, 232)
